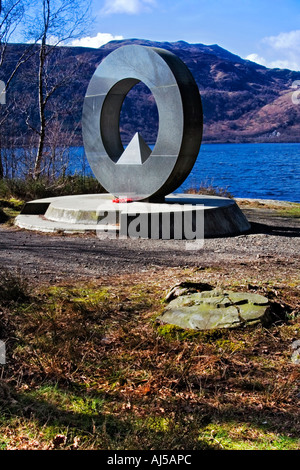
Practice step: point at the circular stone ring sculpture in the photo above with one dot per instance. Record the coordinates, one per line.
(137, 172)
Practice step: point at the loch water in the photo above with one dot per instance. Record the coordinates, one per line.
(264, 171)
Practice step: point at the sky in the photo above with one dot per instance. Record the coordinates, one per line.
(264, 31)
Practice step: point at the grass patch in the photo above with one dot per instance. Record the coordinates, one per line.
(29, 189)
(175, 333)
(293, 211)
(282, 209)
(15, 192)
(88, 368)
(9, 209)
(245, 436)
(208, 188)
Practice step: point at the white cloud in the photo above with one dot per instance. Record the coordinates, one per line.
(131, 7)
(256, 58)
(284, 41)
(51, 41)
(274, 64)
(96, 41)
(281, 51)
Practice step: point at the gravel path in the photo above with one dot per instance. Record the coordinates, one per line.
(273, 243)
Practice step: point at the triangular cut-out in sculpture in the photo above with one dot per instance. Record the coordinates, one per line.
(136, 153)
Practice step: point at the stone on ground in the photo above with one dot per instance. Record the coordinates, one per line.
(215, 309)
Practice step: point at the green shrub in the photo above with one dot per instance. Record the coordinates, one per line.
(28, 189)
(3, 216)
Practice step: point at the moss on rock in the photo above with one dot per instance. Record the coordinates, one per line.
(210, 310)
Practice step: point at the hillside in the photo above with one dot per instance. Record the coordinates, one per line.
(242, 101)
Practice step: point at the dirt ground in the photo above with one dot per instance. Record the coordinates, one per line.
(272, 248)
(239, 390)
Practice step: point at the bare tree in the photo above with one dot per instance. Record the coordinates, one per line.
(48, 24)
(12, 13)
(59, 21)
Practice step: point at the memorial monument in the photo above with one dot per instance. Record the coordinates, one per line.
(138, 172)
(139, 180)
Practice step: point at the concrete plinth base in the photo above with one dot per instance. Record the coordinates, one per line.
(98, 213)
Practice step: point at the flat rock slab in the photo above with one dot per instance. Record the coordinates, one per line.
(215, 309)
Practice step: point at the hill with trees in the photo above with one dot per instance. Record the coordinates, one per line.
(242, 101)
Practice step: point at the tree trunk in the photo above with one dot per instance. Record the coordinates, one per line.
(42, 130)
(41, 91)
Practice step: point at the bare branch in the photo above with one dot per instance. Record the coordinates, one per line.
(61, 20)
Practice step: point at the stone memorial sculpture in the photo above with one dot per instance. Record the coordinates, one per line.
(137, 172)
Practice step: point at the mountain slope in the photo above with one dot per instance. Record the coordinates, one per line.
(242, 101)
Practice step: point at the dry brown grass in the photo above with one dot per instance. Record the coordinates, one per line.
(89, 367)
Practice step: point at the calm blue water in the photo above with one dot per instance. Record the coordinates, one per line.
(265, 171)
